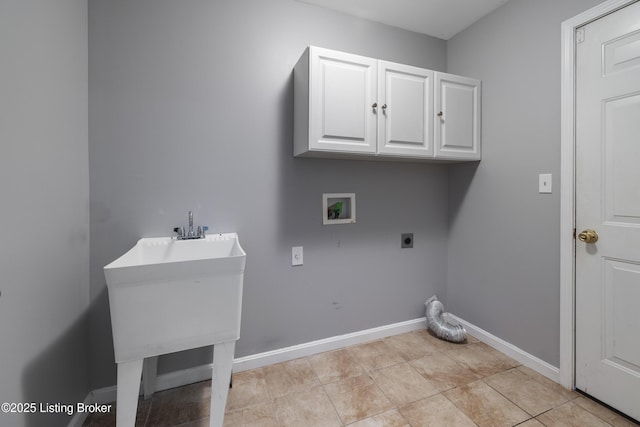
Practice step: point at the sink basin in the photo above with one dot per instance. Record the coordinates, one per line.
(168, 295)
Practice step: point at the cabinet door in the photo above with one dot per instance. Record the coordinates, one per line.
(457, 124)
(342, 94)
(405, 118)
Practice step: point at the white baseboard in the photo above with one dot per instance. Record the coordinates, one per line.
(202, 373)
(510, 350)
(103, 395)
(327, 344)
(163, 382)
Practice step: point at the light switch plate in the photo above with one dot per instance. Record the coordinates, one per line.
(296, 255)
(544, 185)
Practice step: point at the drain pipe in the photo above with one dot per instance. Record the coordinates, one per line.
(440, 327)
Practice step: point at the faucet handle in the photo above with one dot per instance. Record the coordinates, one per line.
(179, 231)
(202, 230)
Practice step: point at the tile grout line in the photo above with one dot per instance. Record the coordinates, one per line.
(308, 359)
(454, 403)
(364, 370)
(333, 406)
(481, 379)
(372, 359)
(510, 400)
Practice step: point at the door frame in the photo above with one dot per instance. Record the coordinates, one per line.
(568, 185)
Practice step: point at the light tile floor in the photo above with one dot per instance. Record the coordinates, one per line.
(413, 379)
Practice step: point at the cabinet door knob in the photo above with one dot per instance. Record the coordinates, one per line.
(384, 108)
(374, 106)
(440, 114)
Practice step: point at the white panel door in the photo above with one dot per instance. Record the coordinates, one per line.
(342, 102)
(457, 123)
(608, 202)
(405, 121)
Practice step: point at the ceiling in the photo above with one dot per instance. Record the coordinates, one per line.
(437, 18)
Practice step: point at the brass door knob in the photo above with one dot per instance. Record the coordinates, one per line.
(588, 236)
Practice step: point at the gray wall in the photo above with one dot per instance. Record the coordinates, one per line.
(504, 244)
(191, 107)
(44, 186)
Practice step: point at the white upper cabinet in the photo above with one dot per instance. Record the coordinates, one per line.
(457, 129)
(353, 106)
(405, 119)
(334, 99)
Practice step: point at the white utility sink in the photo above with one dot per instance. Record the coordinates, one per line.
(168, 295)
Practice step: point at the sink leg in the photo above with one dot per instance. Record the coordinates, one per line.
(149, 375)
(127, 393)
(222, 364)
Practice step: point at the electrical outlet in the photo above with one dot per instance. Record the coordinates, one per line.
(296, 255)
(406, 240)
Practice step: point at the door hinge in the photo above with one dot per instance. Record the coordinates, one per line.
(574, 233)
(580, 35)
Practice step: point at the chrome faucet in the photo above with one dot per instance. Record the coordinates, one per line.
(191, 234)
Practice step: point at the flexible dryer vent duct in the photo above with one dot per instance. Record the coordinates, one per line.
(440, 327)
